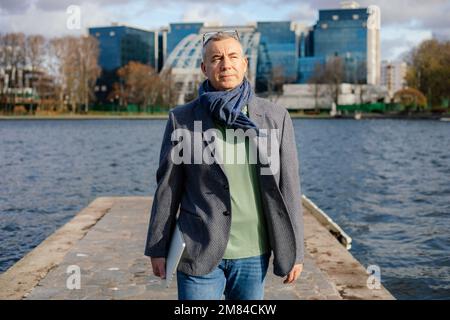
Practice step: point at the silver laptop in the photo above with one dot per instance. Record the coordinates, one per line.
(176, 250)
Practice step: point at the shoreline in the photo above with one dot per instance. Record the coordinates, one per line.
(293, 116)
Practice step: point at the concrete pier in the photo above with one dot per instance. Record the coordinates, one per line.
(105, 242)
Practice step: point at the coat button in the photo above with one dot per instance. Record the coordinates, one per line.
(226, 213)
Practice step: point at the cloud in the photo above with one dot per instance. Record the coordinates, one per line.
(403, 22)
(14, 6)
(213, 14)
(396, 41)
(53, 23)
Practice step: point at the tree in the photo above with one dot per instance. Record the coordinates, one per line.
(12, 62)
(317, 80)
(411, 99)
(141, 85)
(275, 81)
(89, 70)
(75, 68)
(35, 56)
(429, 70)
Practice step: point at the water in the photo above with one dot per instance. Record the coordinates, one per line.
(385, 182)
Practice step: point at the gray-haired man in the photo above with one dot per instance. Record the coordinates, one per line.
(232, 215)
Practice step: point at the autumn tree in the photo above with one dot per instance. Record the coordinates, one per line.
(411, 99)
(429, 70)
(35, 53)
(142, 85)
(75, 67)
(317, 80)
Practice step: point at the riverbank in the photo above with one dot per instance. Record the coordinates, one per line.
(294, 115)
(106, 239)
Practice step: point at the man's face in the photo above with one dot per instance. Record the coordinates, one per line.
(224, 64)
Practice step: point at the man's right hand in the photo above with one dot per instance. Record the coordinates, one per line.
(159, 267)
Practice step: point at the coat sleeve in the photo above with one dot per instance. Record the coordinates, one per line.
(290, 184)
(170, 184)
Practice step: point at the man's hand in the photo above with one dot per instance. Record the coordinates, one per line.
(294, 274)
(159, 267)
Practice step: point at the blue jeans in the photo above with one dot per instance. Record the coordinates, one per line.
(237, 279)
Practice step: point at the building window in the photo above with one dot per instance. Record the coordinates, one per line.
(112, 33)
(356, 17)
(335, 17)
(324, 25)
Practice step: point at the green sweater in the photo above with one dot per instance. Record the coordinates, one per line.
(248, 235)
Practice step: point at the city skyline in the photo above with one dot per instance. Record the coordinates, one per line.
(404, 24)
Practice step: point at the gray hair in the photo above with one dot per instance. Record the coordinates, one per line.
(218, 37)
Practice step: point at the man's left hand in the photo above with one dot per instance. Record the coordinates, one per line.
(294, 274)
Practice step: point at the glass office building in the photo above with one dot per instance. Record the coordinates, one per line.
(351, 34)
(278, 52)
(178, 31)
(277, 55)
(119, 45)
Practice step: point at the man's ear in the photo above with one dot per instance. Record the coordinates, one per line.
(203, 69)
(246, 64)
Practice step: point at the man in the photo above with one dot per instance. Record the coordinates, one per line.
(232, 216)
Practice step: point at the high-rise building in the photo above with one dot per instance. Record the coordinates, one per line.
(393, 76)
(119, 45)
(351, 33)
(278, 54)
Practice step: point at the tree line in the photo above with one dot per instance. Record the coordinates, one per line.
(429, 71)
(60, 75)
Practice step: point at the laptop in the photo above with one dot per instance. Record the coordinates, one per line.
(176, 250)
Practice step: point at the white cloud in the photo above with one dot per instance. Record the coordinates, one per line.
(213, 14)
(397, 40)
(404, 22)
(53, 23)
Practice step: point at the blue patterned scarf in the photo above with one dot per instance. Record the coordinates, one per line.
(226, 106)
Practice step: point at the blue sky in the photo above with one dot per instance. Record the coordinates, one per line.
(404, 22)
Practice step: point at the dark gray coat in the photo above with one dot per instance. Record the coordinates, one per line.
(201, 194)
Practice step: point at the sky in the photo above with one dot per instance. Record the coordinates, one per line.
(404, 23)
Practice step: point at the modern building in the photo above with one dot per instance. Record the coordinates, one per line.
(178, 31)
(119, 45)
(281, 52)
(350, 33)
(277, 54)
(393, 76)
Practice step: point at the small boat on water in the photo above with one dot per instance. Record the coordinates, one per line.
(445, 119)
(358, 116)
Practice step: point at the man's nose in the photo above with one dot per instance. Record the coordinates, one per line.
(226, 63)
